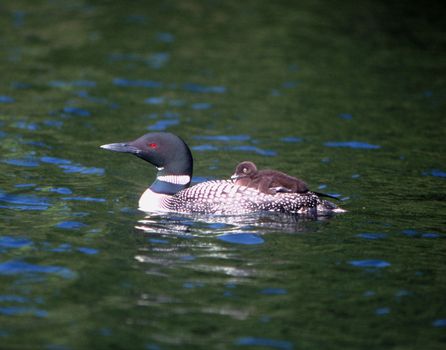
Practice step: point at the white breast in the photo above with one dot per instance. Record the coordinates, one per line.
(152, 201)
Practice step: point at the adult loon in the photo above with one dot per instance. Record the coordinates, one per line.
(171, 191)
(270, 181)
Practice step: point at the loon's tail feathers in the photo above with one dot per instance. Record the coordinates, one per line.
(320, 194)
(328, 208)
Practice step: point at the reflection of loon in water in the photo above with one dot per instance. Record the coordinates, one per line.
(197, 225)
(185, 241)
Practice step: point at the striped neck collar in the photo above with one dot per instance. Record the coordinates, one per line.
(170, 184)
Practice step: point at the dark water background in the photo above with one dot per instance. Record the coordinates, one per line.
(348, 95)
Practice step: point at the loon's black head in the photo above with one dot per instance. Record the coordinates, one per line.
(244, 169)
(166, 151)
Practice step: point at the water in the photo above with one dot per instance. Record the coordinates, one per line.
(349, 98)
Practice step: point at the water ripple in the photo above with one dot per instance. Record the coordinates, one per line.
(440, 323)
(76, 168)
(352, 144)
(122, 82)
(76, 111)
(369, 263)
(22, 310)
(7, 242)
(163, 124)
(16, 267)
(224, 138)
(202, 89)
(165, 37)
(265, 342)
(241, 238)
(371, 236)
(200, 106)
(435, 173)
(29, 163)
(23, 202)
(70, 225)
(6, 99)
(85, 199)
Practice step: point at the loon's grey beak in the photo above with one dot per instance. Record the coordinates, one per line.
(121, 147)
(235, 177)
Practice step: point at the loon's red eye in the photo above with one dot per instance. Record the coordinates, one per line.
(153, 145)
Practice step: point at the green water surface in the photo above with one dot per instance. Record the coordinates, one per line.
(348, 95)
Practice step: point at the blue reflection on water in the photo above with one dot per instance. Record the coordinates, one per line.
(158, 60)
(345, 116)
(6, 99)
(70, 225)
(415, 233)
(67, 248)
(192, 285)
(430, 235)
(7, 242)
(382, 311)
(291, 139)
(435, 173)
(61, 248)
(55, 160)
(265, 342)
(198, 88)
(76, 168)
(163, 124)
(22, 310)
(13, 298)
(23, 202)
(241, 238)
(58, 190)
(68, 167)
(224, 138)
(371, 236)
(85, 199)
(30, 163)
(53, 123)
(200, 106)
(352, 144)
(155, 100)
(25, 125)
(205, 147)
(439, 323)
(76, 111)
(274, 291)
(369, 263)
(87, 250)
(165, 37)
(137, 83)
(18, 18)
(410, 232)
(16, 267)
(158, 241)
(290, 84)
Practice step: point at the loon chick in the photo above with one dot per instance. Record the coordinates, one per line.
(171, 191)
(270, 181)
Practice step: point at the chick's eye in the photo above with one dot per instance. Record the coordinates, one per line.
(152, 145)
